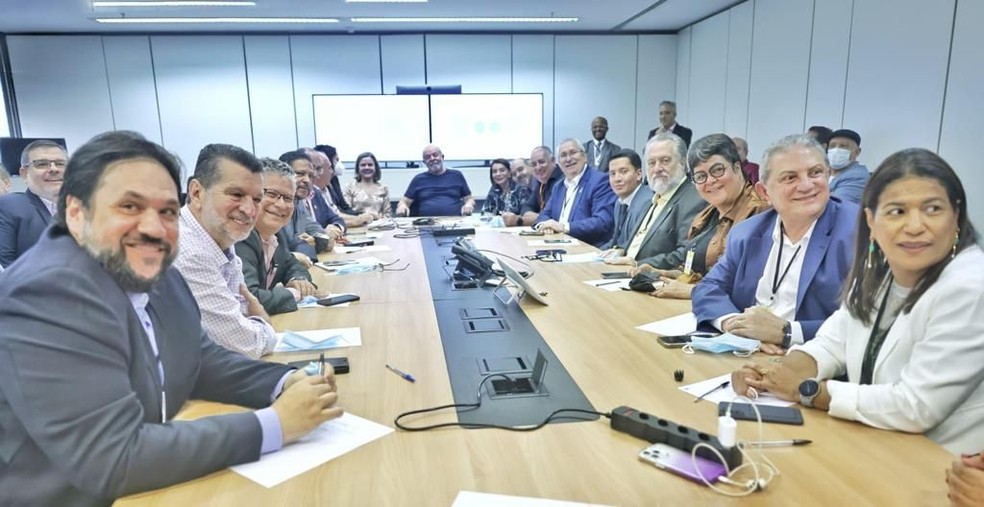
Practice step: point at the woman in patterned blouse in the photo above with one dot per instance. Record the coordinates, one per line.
(504, 195)
(366, 193)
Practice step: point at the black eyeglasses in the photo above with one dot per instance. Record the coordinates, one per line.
(717, 170)
(273, 195)
(45, 164)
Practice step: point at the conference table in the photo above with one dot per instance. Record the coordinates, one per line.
(593, 332)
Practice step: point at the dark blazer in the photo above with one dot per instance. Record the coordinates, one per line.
(323, 214)
(665, 245)
(80, 394)
(337, 197)
(679, 130)
(23, 217)
(300, 222)
(730, 285)
(626, 227)
(607, 150)
(591, 212)
(533, 203)
(274, 299)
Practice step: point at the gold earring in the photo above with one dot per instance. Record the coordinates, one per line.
(956, 241)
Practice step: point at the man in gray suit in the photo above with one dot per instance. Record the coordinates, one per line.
(634, 200)
(660, 240)
(102, 344)
(599, 149)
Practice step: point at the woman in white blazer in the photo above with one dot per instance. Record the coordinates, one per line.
(910, 333)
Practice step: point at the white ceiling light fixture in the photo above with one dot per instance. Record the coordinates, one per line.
(173, 3)
(466, 20)
(216, 20)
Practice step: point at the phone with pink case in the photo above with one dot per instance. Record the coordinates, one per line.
(679, 462)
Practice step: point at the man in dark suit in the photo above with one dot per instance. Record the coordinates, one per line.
(546, 174)
(782, 270)
(24, 216)
(325, 181)
(667, 121)
(634, 200)
(87, 392)
(661, 238)
(307, 194)
(599, 149)
(582, 205)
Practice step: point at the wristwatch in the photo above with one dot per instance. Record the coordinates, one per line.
(808, 390)
(519, 221)
(787, 334)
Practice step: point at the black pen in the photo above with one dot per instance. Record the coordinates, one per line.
(607, 283)
(724, 384)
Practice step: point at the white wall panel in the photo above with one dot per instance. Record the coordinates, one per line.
(682, 98)
(131, 85)
(479, 63)
(61, 88)
(271, 92)
(580, 95)
(739, 69)
(403, 62)
(828, 63)
(332, 64)
(708, 76)
(533, 72)
(777, 95)
(897, 74)
(963, 113)
(201, 86)
(655, 81)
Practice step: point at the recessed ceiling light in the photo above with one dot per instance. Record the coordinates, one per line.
(172, 3)
(216, 20)
(465, 20)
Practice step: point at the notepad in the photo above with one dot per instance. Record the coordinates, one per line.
(727, 394)
(673, 326)
(319, 339)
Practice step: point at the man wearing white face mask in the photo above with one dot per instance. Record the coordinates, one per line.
(849, 176)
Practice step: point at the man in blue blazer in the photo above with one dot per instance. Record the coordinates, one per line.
(782, 270)
(582, 205)
(634, 199)
(24, 216)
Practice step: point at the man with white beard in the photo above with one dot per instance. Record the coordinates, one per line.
(663, 231)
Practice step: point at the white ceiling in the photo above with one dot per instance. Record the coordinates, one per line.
(66, 16)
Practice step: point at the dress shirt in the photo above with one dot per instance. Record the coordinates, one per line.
(572, 186)
(214, 276)
(659, 204)
(269, 422)
(269, 248)
(783, 305)
(52, 206)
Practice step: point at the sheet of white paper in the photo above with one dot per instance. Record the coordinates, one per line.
(553, 243)
(609, 285)
(314, 304)
(673, 326)
(324, 339)
(581, 257)
(342, 249)
(516, 229)
(726, 393)
(330, 440)
(474, 499)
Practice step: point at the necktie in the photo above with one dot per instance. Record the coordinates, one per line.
(621, 210)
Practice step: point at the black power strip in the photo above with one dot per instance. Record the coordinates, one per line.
(656, 430)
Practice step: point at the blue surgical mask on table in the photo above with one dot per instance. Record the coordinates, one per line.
(726, 342)
(839, 158)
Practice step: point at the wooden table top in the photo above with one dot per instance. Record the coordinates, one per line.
(593, 333)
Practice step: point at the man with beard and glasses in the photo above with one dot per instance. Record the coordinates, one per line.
(660, 240)
(223, 201)
(101, 345)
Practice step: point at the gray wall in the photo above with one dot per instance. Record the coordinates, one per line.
(255, 90)
(766, 68)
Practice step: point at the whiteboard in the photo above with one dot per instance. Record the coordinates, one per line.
(392, 127)
(487, 126)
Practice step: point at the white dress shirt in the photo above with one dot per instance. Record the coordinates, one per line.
(572, 185)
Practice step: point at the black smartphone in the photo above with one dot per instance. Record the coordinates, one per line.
(531, 233)
(780, 415)
(337, 263)
(673, 342)
(361, 242)
(616, 275)
(337, 300)
(557, 241)
(339, 364)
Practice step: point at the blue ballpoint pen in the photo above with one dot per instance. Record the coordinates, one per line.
(406, 376)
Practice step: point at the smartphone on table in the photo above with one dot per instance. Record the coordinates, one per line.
(681, 463)
(769, 413)
(677, 341)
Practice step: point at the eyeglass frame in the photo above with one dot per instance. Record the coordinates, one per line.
(45, 164)
(269, 193)
(705, 175)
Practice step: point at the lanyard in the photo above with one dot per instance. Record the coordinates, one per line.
(875, 340)
(776, 279)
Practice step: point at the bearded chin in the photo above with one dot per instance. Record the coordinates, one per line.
(115, 263)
